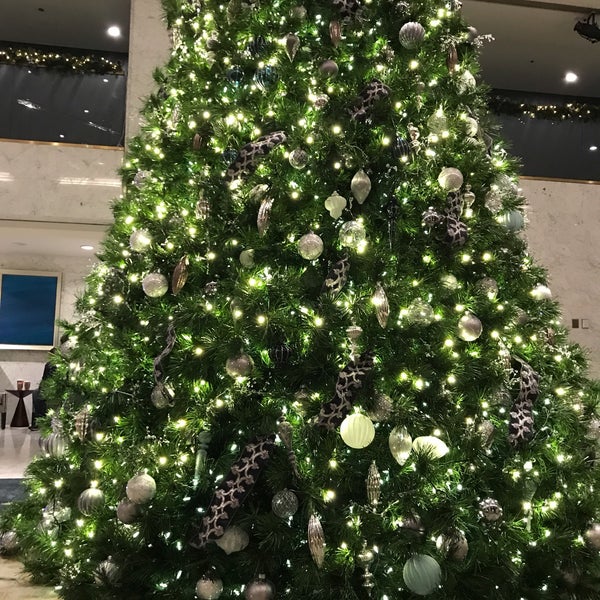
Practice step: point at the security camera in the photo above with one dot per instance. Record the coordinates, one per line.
(588, 29)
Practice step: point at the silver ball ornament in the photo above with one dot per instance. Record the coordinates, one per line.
(488, 286)
(259, 589)
(127, 511)
(453, 544)
(469, 327)
(141, 488)
(353, 235)
(437, 123)
(420, 312)
(155, 285)
(541, 292)
(90, 500)
(490, 510)
(107, 572)
(247, 258)
(9, 542)
(329, 68)
(592, 536)
(411, 35)
(139, 240)
(310, 246)
(450, 179)
(209, 588)
(284, 504)
(239, 366)
(298, 158)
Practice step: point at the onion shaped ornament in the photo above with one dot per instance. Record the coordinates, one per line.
(411, 35)
(360, 186)
(422, 574)
(400, 443)
(292, 44)
(382, 307)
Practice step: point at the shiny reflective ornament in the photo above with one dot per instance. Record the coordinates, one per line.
(316, 540)
(256, 46)
(430, 445)
(280, 354)
(239, 366)
(180, 275)
(298, 12)
(263, 218)
(357, 431)
(493, 200)
(353, 235)
(400, 443)
(162, 396)
(211, 288)
(260, 589)
(90, 500)
(449, 282)
(437, 122)
(209, 588)
(292, 44)
(360, 186)
(266, 77)
(422, 574)
(321, 100)
(128, 512)
(56, 512)
(382, 407)
(488, 286)
(335, 33)
(373, 484)
(468, 197)
(490, 509)
(310, 246)
(541, 292)
(592, 536)
(9, 542)
(229, 155)
(329, 68)
(506, 185)
(155, 285)
(513, 220)
(411, 35)
(139, 240)
(107, 572)
(141, 488)
(284, 504)
(420, 312)
(140, 178)
(82, 423)
(202, 210)
(235, 75)
(469, 327)
(401, 148)
(298, 158)
(486, 431)
(471, 127)
(235, 539)
(247, 258)
(453, 545)
(56, 444)
(335, 204)
(466, 82)
(450, 179)
(382, 307)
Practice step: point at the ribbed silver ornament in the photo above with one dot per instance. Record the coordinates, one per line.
(316, 540)
(373, 484)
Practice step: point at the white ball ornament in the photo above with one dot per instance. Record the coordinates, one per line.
(357, 431)
(234, 539)
(469, 327)
(155, 285)
(360, 186)
(430, 444)
(141, 488)
(310, 246)
(208, 588)
(411, 35)
(422, 574)
(450, 179)
(541, 292)
(139, 240)
(353, 235)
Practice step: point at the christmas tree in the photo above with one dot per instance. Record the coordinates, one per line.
(316, 359)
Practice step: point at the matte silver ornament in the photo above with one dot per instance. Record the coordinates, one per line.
(284, 504)
(310, 246)
(155, 285)
(488, 286)
(453, 544)
(9, 542)
(469, 327)
(235, 539)
(298, 158)
(411, 35)
(140, 240)
(141, 488)
(209, 588)
(162, 396)
(259, 589)
(450, 179)
(360, 186)
(247, 258)
(373, 484)
(292, 44)
(90, 500)
(264, 215)
(329, 68)
(490, 509)
(382, 307)
(240, 365)
(316, 540)
(128, 512)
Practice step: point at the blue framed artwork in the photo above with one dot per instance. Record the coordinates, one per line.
(29, 309)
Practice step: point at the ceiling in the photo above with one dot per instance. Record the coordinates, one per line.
(534, 46)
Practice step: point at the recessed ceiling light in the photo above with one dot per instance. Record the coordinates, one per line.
(593, 148)
(87, 247)
(114, 31)
(571, 77)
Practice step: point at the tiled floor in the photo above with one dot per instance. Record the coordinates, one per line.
(17, 448)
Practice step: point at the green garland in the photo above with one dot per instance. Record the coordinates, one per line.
(30, 56)
(570, 111)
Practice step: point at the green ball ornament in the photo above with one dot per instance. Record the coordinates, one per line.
(513, 220)
(90, 500)
(155, 285)
(422, 574)
(357, 431)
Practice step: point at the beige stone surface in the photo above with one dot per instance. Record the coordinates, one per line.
(14, 583)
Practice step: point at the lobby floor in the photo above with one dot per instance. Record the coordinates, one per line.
(17, 447)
